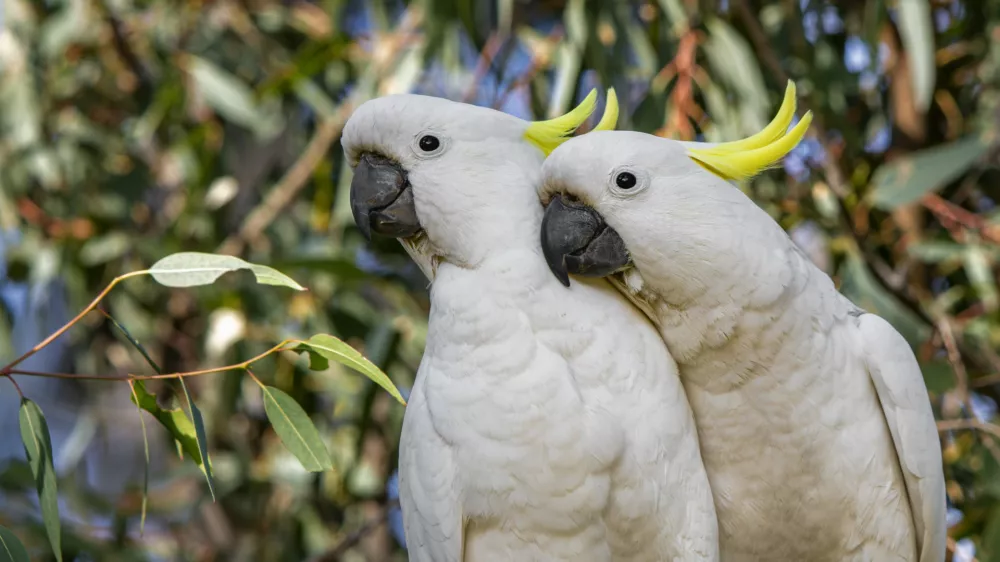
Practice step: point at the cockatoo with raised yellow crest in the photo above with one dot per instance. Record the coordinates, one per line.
(544, 424)
(814, 420)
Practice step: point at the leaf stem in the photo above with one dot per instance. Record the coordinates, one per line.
(254, 377)
(16, 386)
(9, 368)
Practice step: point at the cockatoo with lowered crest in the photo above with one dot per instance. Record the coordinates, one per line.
(814, 420)
(544, 424)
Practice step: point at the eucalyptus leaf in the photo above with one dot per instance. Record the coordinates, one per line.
(145, 468)
(201, 436)
(11, 549)
(38, 448)
(738, 67)
(232, 98)
(333, 349)
(917, 31)
(189, 269)
(173, 419)
(979, 268)
(908, 178)
(105, 248)
(296, 430)
(935, 251)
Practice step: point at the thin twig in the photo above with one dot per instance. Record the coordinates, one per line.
(234, 367)
(947, 211)
(125, 51)
(484, 64)
(326, 132)
(8, 368)
(335, 553)
(969, 424)
(985, 381)
(537, 61)
(955, 359)
(291, 183)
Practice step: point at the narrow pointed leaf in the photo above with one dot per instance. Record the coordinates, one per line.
(336, 350)
(917, 30)
(202, 439)
(908, 178)
(173, 419)
(38, 448)
(145, 471)
(189, 269)
(135, 343)
(296, 430)
(11, 549)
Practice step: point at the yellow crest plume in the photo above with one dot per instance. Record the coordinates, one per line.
(743, 159)
(549, 134)
(610, 118)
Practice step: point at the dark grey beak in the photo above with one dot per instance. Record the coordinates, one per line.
(382, 199)
(575, 239)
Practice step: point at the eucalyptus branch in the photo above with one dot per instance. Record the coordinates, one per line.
(243, 365)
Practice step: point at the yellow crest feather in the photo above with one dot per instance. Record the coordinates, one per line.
(743, 159)
(549, 134)
(610, 118)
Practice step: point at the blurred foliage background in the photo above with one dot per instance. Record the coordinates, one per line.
(131, 129)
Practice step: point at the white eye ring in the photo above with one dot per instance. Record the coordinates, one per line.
(429, 144)
(626, 181)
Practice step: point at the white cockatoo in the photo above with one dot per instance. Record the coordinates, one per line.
(544, 424)
(814, 420)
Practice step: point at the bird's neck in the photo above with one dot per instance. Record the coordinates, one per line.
(722, 336)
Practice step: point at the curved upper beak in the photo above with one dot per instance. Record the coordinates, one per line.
(382, 199)
(575, 239)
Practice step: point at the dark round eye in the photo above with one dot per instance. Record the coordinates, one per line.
(429, 143)
(625, 180)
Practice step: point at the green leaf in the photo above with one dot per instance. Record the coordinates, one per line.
(341, 268)
(917, 32)
(38, 448)
(935, 251)
(737, 66)
(201, 437)
(173, 419)
(134, 342)
(231, 98)
(11, 549)
(333, 349)
(296, 430)
(979, 268)
(103, 249)
(189, 269)
(991, 536)
(907, 179)
(145, 472)
(938, 376)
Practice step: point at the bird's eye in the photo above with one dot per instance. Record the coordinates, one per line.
(429, 143)
(626, 180)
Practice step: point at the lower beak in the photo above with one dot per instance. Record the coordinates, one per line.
(575, 239)
(382, 199)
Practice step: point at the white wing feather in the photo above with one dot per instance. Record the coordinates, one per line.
(427, 478)
(903, 394)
